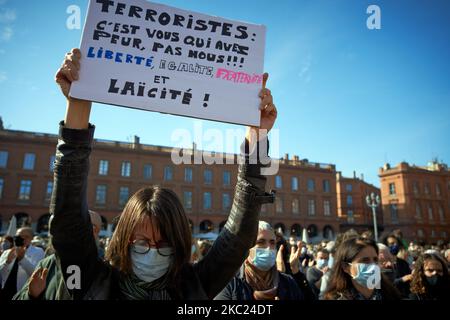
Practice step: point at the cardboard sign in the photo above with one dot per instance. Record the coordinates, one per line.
(154, 57)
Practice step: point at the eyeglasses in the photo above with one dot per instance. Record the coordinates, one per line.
(142, 246)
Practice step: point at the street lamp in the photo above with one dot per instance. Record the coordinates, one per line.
(373, 201)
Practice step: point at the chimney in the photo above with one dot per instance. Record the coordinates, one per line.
(295, 159)
(362, 176)
(286, 157)
(354, 174)
(136, 139)
(194, 146)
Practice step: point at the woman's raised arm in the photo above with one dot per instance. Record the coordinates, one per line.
(78, 111)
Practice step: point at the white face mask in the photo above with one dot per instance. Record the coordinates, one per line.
(152, 265)
(368, 275)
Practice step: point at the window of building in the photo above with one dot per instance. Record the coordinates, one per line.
(430, 212)
(326, 186)
(427, 188)
(2, 183)
(226, 201)
(438, 190)
(207, 176)
(148, 171)
(441, 214)
(226, 178)
(392, 188)
(187, 200)
(25, 190)
(278, 182)
(394, 213)
(416, 187)
(294, 183)
(350, 217)
(311, 185)
(279, 204)
(126, 169)
(49, 190)
(3, 159)
(433, 233)
(295, 207)
(188, 174)
(52, 163)
(349, 201)
(103, 166)
(326, 208)
(168, 173)
(418, 211)
(124, 193)
(348, 187)
(28, 161)
(311, 207)
(207, 200)
(100, 194)
(420, 233)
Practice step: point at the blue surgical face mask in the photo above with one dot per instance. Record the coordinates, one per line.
(152, 265)
(368, 275)
(394, 249)
(264, 258)
(321, 263)
(433, 280)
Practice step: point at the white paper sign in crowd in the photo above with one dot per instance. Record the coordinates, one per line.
(149, 56)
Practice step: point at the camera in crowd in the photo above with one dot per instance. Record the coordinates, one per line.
(19, 241)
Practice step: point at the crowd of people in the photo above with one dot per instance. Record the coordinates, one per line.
(351, 267)
(152, 255)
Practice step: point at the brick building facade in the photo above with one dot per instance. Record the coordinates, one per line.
(416, 200)
(306, 191)
(352, 208)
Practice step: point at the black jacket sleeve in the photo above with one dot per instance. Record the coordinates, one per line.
(304, 286)
(70, 225)
(230, 249)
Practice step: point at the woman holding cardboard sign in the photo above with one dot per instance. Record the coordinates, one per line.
(148, 256)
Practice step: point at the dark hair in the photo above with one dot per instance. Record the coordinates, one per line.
(162, 206)
(419, 284)
(341, 282)
(342, 237)
(323, 250)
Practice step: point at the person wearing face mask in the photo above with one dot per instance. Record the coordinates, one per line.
(430, 280)
(148, 257)
(305, 258)
(395, 269)
(396, 246)
(356, 274)
(314, 274)
(258, 278)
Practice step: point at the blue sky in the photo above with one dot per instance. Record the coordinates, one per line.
(346, 95)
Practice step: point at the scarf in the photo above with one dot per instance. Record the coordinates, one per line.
(263, 283)
(133, 288)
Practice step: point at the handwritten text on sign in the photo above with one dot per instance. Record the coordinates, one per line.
(155, 57)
